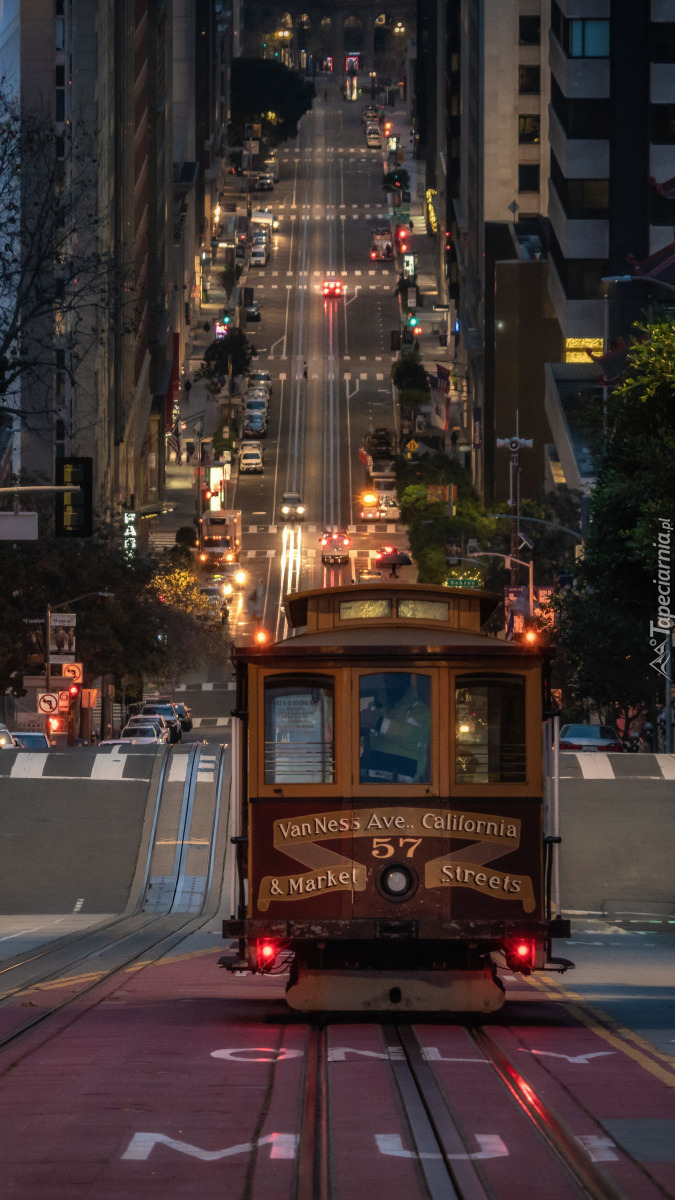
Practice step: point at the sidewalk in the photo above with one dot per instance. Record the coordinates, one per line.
(198, 407)
(432, 324)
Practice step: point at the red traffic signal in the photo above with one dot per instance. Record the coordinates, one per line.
(74, 692)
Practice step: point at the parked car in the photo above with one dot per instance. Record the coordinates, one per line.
(589, 737)
(250, 460)
(256, 406)
(260, 376)
(292, 508)
(170, 716)
(185, 714)
(142, 733)
(7, 740)
(159, 724)
(31, 740)
(255, 426)
(253, 311)
(259, 256)
(334, 546)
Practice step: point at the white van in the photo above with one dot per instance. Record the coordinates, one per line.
(271, 167)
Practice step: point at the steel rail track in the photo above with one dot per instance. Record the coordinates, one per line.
(158, 939)
(441, 1152)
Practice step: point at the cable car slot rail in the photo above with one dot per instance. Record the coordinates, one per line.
(439, 1145)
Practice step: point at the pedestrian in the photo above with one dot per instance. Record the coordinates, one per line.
(393, 573)
(453, 441)
(304, 369)
(189, 450)
(411, 225)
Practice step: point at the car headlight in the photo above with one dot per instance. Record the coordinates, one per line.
(240, 577)
(285, 509)
(301, 508)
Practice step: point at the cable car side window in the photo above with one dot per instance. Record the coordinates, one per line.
(299, 730)
(394, 728)
(490, 729)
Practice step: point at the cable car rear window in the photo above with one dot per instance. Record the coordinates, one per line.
(363, 610)
(490, 729)
(423, 610)
(299, 731)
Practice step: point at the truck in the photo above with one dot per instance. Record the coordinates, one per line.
(219, 538)
(382, 247)
(380, 445)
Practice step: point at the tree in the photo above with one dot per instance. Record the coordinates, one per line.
(408, 372)
(134, 632)
(54, 277)
(266, 92)
(604, 622)
(231, 354)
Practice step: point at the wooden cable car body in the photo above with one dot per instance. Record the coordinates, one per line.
(387, 777)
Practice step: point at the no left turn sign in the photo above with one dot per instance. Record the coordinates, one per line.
(48, 702)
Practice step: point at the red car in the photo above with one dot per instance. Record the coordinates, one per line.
(334, 547)
(332, 288)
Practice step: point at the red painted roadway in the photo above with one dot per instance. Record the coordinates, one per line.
(183, 1081)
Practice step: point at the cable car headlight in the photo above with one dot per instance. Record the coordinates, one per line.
(397, 882)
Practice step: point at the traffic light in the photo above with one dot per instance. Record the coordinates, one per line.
(55, 724)
(74, 692)
(412, 320)
(74, 511)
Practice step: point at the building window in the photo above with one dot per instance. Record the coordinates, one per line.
(587, 39)
(663, 123)
(529, 129)
(580, 118)
(529, 80)
(580, 198)
(663, 42)
(528, 177)
(529, 31)
(59, 33)
(60, 7)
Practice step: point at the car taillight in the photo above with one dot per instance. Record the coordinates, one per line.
(569, 746)
(266, 952)
(520, 954)
(614, 746)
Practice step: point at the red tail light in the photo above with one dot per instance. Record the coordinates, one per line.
(373, 254)
(266, 951)
(569, 746)
(520, 954)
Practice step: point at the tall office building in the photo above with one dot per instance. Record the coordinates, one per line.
(561, 170)
(134, 186)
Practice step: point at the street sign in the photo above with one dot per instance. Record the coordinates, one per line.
(64, 701)
(89, 697)
(47, 702)
(72, 671)
(412, 445)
